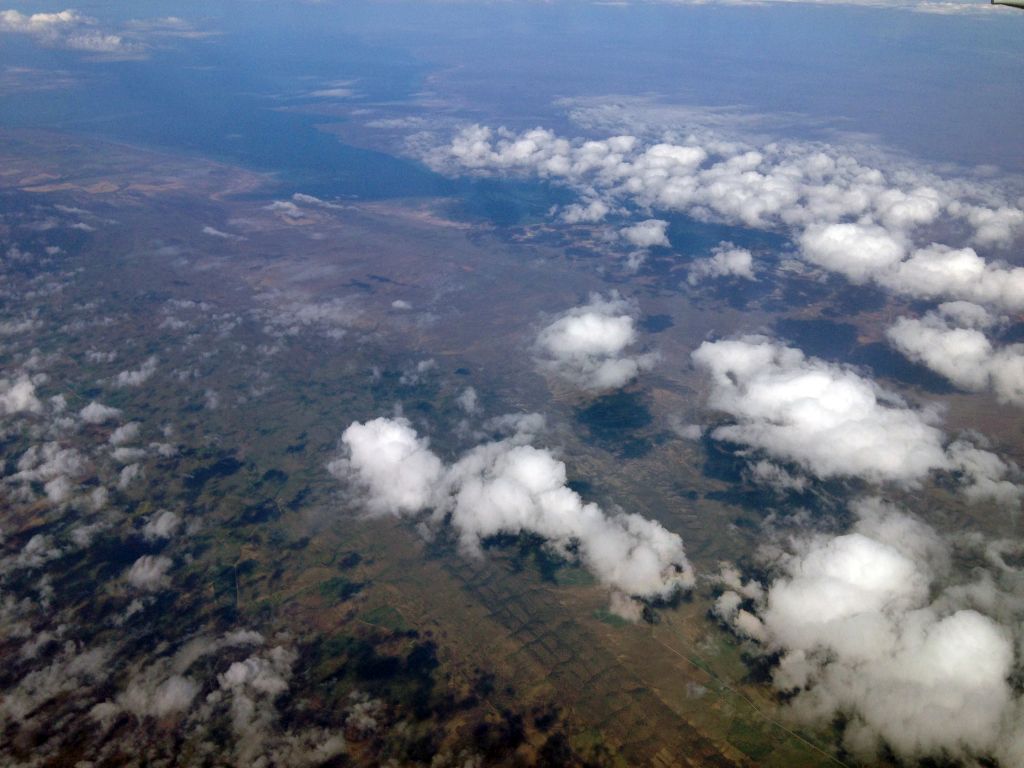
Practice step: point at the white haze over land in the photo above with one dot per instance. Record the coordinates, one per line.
(588, 345)
(869, 626)
(509, 486)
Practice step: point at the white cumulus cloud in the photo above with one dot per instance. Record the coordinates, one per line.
(726, 259)
(964, 355)
(18, 396)
(587, 345)
(646, 234)
(508, 487)
(831, 420)
(864, 630)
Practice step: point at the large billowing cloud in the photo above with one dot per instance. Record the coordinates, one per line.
(832, 421)
(950, 342)
(865, 630)
(509, 487)
(587, 345)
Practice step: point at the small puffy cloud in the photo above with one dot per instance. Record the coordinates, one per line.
(726, 260)
(827, 418)
(18, 396)
(646, 234)
(127, 454)
(585, 213)
(508, 487)
(173, 695)
(392, 463)
(58, 490)
(138, 376)
(161, 526)
(97, 413)
(587, 345)
(268, 676)
(131, 473)
(149, 573)
(126, 433)
(468, 401)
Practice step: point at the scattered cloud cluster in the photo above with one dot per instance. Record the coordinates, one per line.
(833, 422)
(870, 224)
(587, 345)
(73, 668)
(289, 314)
(246, 692)
(951, 342)
(509, 487)
(845, 216)
(67, 29)
(865, 628)
(58, 468)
